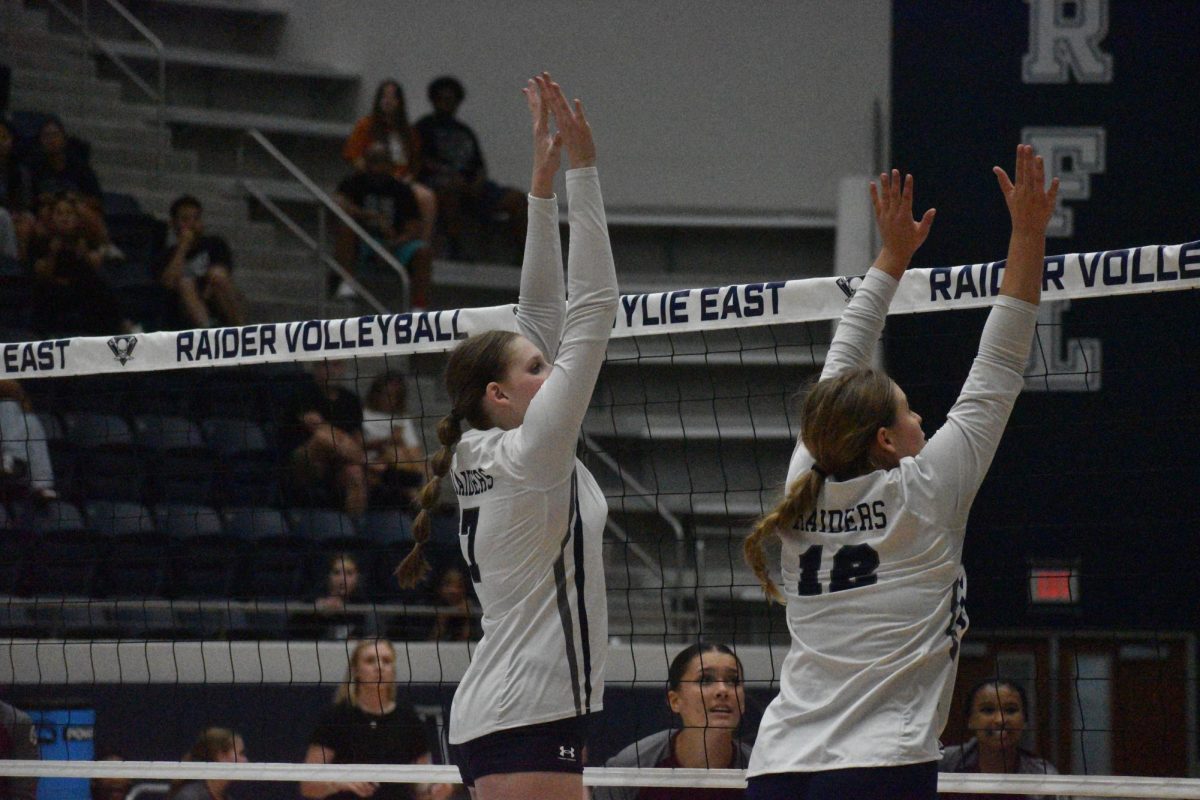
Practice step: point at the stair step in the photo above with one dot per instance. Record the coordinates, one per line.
(58, 102)
(22, 55)
(106, 155)
(267, 123)
(230, 62)
(40, 80)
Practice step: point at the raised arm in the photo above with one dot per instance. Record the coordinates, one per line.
(542, 303)
(862, 321)
(959, 454)
(552, 423)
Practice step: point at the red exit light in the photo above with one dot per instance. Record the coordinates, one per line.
(1057, 585)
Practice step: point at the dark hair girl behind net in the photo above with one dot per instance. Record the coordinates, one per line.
(839, 419)
(473, 365)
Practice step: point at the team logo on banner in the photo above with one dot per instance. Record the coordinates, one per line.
(849, 285)
(122, 347)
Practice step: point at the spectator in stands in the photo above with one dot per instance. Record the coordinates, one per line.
(705, 688)
(452, 164)
(367, 724)
(198, 267)
(18, 740)
(997, 718)
(321, 436)
(387, 208)
(394, 451)
(455, 620)
(109, 788)
(24, 456)
(343, 585)
(213, 745)
(61, 165)
(388, 124)
(70, 291)
(15, 198)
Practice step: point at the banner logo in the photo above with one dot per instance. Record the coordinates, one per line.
(122, 347)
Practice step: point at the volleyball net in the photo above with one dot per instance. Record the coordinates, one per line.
(185, 545)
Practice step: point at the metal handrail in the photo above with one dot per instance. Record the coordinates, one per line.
(286, 606)
(160, 96)
(312, 244)
(332, 207)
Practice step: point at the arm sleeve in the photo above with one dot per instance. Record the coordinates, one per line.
(953, 464)
(545, 442)
(542, 303)
(861, 324)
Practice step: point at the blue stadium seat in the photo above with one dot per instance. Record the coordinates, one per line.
(386, 526)
(55, 516)
(116, 204)
(252, 524)
(248, 479)
(12, 555)
(229, 437)
(181, 521)
(90, 429)
(119, 518)
(323, 526)
(110, 474)
(162, 433)
(55, 432)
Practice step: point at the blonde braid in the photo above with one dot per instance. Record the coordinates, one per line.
(801, 498)
(414, 567)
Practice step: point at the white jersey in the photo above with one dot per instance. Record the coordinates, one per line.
(873, 579)
(532, 516)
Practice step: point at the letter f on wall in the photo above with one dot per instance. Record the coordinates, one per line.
(1072, 155)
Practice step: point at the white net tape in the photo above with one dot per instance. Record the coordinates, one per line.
(1153, 268)
(1094, 786)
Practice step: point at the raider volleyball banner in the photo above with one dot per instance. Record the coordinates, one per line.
(1146, 269)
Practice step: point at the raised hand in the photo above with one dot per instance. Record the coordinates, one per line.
(547, 146)
(1030, 203)
(902, 235)
(572, 125)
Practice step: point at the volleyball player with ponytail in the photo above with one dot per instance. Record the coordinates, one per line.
(872, 529)
(532, 516)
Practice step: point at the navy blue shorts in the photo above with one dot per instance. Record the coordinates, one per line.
(549, 747)
(909, 782)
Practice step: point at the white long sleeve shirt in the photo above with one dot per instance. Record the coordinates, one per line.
(874, 582)
(532, 516)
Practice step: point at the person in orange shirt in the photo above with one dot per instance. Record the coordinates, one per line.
(388, 124)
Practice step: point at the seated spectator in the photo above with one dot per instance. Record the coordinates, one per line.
(24, 456)
(60, 165)
(387, 209)
(368, 724)
(109, 788)
(71, 295)
(321, 436)
(198, 267)
(394, 451)
(705, 690)
(996, 717)
(455, 620)
(452, 164)
(213, 745)
(15, 197)
(388, 124)
(18, 741)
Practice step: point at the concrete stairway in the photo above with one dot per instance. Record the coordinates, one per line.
(54, 71)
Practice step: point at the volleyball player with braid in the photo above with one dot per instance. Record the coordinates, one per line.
(872, 529)
(532, 516)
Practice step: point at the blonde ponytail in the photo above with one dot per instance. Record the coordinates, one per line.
(414, 567)
(801, 498)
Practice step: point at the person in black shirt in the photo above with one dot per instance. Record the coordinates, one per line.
(452, 164)
(367, 724)
(387, 208)
(198, 267)
(321, 436)
(60, 167)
